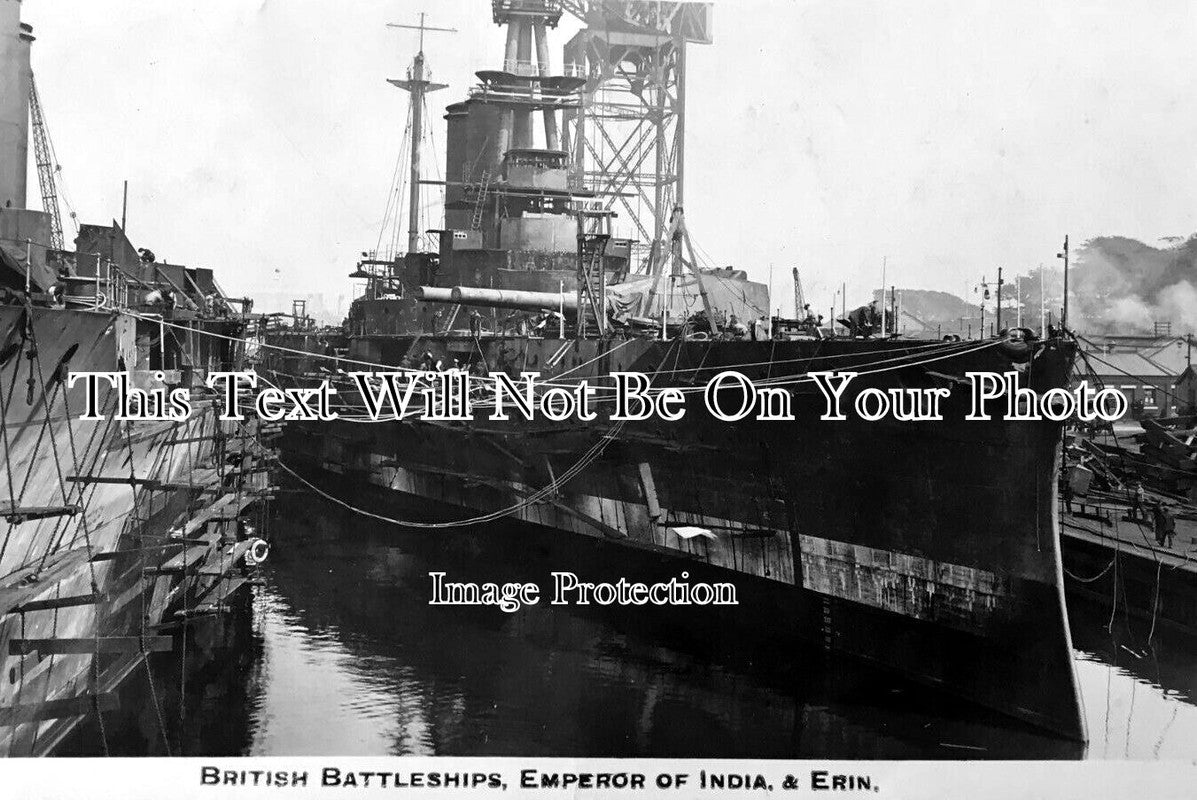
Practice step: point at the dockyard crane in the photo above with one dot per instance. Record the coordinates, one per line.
(45, 167)
(799, 298)
(627, 140)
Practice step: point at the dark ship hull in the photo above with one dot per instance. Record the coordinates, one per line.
(930, 548)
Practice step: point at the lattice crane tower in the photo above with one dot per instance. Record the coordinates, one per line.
(627, 142)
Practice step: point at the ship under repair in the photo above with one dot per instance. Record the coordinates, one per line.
(115, 536)
(931, 548)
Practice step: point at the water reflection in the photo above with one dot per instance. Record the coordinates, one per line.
(343, 656)
(1139, 697)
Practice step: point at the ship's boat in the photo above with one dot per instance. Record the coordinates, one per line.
(930, 548)
(117, 536)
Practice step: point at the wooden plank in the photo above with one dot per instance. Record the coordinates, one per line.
(198, 479)
(223, 589)
(183, 486)
(229, 506)
(180, 563)
(234, 508)
(16, 587)
(18, 514)
(236, 553)
(154, 537)
(57, 602)
(103, 644)
(112, 555)
(112, 479)
(79, 706)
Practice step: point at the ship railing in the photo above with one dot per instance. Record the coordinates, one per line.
(113, 288)
(532, 97)
(547, 10)
(524, 68)
(118, 285)
(530, 69)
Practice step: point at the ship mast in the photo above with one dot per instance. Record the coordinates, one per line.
(418, 86)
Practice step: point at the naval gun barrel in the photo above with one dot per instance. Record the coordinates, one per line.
(434, 294)
(511, 298)
(500, 298)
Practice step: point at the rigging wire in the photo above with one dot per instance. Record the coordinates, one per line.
(877, 367)
(550, 490)
(949, 349)
(392, 212)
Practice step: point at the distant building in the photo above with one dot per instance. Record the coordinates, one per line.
(1145, 368)
(1186, 391)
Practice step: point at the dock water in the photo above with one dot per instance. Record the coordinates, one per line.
(342, 656)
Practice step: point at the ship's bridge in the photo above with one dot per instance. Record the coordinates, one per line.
(531, 168)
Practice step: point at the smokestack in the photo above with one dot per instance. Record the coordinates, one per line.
(16, 74)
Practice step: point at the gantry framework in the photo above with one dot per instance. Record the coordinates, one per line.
(627, 142)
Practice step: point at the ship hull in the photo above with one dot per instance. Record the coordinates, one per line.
(104, 573)
(929, 548)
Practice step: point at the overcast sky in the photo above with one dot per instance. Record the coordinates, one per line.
(950, 136)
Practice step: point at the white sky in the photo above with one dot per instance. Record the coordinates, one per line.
(951, 136)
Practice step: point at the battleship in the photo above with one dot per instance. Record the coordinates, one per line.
(931, 549)
(121, 539)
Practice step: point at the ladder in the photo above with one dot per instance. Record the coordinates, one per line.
(452, 319)
(480, 200)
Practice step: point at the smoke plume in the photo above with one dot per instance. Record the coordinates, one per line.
(1122, 285)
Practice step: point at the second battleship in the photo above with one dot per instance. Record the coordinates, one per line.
(931, 548)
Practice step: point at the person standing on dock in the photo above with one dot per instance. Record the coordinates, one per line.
(1137, 501)
(1157, 523)
(1164, 525)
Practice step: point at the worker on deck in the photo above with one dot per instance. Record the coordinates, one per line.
(700, 322)
(1066, 491)
(738, 329)
(163, 298)
(475, 324)
(1137, 501)
(1164, 525)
